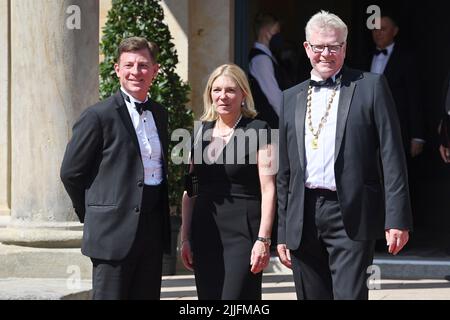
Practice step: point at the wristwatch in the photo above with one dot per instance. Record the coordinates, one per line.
(264, 240)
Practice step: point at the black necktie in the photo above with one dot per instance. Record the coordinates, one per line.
(377, 52)
(324, 83)
(140, 107)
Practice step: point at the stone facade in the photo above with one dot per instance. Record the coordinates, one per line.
(51, 77)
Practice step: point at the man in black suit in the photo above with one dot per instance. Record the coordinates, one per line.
(399, 67)
(115, 172)
(335, 196)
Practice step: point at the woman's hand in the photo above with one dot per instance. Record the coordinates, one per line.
(186, 255)
(260, 257)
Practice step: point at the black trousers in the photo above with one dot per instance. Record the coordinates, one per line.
(328, 264)
(138, 276)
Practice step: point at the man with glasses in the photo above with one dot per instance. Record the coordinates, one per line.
(335, 196)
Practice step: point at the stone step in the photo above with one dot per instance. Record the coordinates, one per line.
(413, 268)
(399, 267)
(44, 289)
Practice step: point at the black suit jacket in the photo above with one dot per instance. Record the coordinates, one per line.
(444, 134)
(103, 174)
(403, 79)
(372, 197)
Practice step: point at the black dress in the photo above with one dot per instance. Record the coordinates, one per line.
(227, 214)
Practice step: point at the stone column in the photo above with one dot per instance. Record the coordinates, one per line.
(54, 76)
(176, 15)
(206, 50)
(4, 109)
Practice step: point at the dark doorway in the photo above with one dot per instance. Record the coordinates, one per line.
(425, 29)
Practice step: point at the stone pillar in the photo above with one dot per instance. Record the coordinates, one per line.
(4, 109)
(54, 76)
(211, 43)
(176, 15)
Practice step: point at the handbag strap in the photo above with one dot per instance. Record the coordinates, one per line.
(197, 137)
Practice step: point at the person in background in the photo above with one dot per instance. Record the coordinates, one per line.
(115, 172)
(398, 65)
(226, 228)
(342, 180)
(266, 75)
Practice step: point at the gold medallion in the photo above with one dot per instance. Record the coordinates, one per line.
(315, 143)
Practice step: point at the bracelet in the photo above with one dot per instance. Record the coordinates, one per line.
(266, 241)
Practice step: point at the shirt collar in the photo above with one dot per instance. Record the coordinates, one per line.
(389, 48)
(317, 78)
(262, 47)
(132, 99)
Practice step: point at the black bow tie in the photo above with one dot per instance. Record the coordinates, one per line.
(377, 52)
(140, 107)
(324, 83)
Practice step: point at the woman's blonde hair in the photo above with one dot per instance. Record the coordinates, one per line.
(238, 75)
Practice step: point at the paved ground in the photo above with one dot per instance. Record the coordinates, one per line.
(281, 287)
(182, 287)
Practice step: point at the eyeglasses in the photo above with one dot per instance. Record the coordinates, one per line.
(321, 47)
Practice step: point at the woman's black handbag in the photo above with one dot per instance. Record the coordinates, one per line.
(191, 184)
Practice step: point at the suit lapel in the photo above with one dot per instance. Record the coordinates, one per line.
(121, 108)
(159, 121)
(300, 113)
(345, 99)
(161, 127)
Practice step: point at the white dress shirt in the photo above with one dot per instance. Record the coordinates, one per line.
(261, 67)
(320, 161)
(149, 144)
(380, 61)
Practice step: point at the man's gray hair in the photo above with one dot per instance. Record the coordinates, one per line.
(325, 20)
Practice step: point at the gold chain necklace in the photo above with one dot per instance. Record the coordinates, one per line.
(315, 140)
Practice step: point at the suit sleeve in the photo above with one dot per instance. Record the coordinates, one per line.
(78, 163)
(398, 207)
(283, 177)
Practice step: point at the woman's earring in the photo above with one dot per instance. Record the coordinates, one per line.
(243, 104)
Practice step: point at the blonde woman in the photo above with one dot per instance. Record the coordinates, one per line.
(227, 227)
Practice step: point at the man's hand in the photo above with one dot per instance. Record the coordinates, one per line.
(284, 255)
(416, 148)
(396, 240)
(445, 153)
